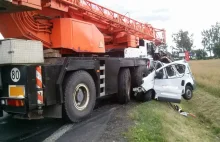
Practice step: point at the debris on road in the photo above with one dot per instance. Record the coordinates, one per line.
(180, 110)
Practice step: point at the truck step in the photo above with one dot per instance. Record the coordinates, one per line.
(102, 76)
(102, 94)
(102, 67)
(102, 85)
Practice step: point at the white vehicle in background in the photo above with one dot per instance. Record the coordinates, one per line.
(167, 82)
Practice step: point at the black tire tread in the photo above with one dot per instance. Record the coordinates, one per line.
(184, 95)
(144, 97)
(124, 76)
(137, 75)
(68, 84)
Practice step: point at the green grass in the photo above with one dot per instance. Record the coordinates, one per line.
(207, 109)
(158, 122)
(146, 128)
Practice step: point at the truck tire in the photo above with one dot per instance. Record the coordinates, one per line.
(188, 93)
(138, 74)
(144, 97)
(124, 86)
(79, 96)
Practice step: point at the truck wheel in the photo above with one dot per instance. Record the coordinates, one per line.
(79, 96)
(138, 74)
(144, 97)
(124, 86)
(188, 93)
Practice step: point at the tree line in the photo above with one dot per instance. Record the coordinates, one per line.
(210, 42)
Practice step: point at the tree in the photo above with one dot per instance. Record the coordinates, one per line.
(216, 50)
(200, 54)
(183, 40)
(211, 37)
(206, 40)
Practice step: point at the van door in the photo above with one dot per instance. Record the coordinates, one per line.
(168, 85)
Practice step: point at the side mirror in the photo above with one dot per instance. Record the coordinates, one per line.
(159, 75)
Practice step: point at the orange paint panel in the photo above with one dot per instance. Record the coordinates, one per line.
(31, 3)
(77, 35)
(8, 27)
(22, 25)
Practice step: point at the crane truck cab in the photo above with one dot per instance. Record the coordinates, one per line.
(168, 82)
(146, 49)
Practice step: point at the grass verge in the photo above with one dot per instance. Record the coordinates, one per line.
(157, 121)
(148, 124)
(207, 109)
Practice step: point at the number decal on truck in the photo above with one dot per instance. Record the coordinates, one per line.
(15, 75)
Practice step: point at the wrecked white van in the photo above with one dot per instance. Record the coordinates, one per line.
(167, 82)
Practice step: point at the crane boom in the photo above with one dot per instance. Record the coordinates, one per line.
(120, 21)
(45, 20)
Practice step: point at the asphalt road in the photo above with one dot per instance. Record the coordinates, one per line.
(12, 130)
(50, 130)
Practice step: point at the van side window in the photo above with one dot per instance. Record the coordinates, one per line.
(162, 72)
(170, 71)
(158, 65)
(180, 68)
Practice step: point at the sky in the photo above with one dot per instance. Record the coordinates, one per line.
(171, 15)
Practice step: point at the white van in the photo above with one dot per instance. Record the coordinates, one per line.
(167, 82)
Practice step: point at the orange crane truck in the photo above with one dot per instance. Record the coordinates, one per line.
(58, 56)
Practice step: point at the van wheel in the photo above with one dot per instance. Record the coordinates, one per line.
(188, 93)
(144, 97)
(124, 86)
(79, 96)
(138, 74)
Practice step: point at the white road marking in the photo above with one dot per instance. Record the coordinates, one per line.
(62, 130)
(57, 134)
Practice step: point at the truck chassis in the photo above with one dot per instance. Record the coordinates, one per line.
(94, 77)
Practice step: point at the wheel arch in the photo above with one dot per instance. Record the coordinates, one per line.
(153, 93)
(189, 84)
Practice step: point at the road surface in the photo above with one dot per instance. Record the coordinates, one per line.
(106, 123)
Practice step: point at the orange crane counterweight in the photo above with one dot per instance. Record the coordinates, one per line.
(74, 25)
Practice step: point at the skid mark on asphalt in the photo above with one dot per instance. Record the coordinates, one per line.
(89, 130)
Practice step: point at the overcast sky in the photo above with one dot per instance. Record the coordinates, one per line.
(172, 15)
